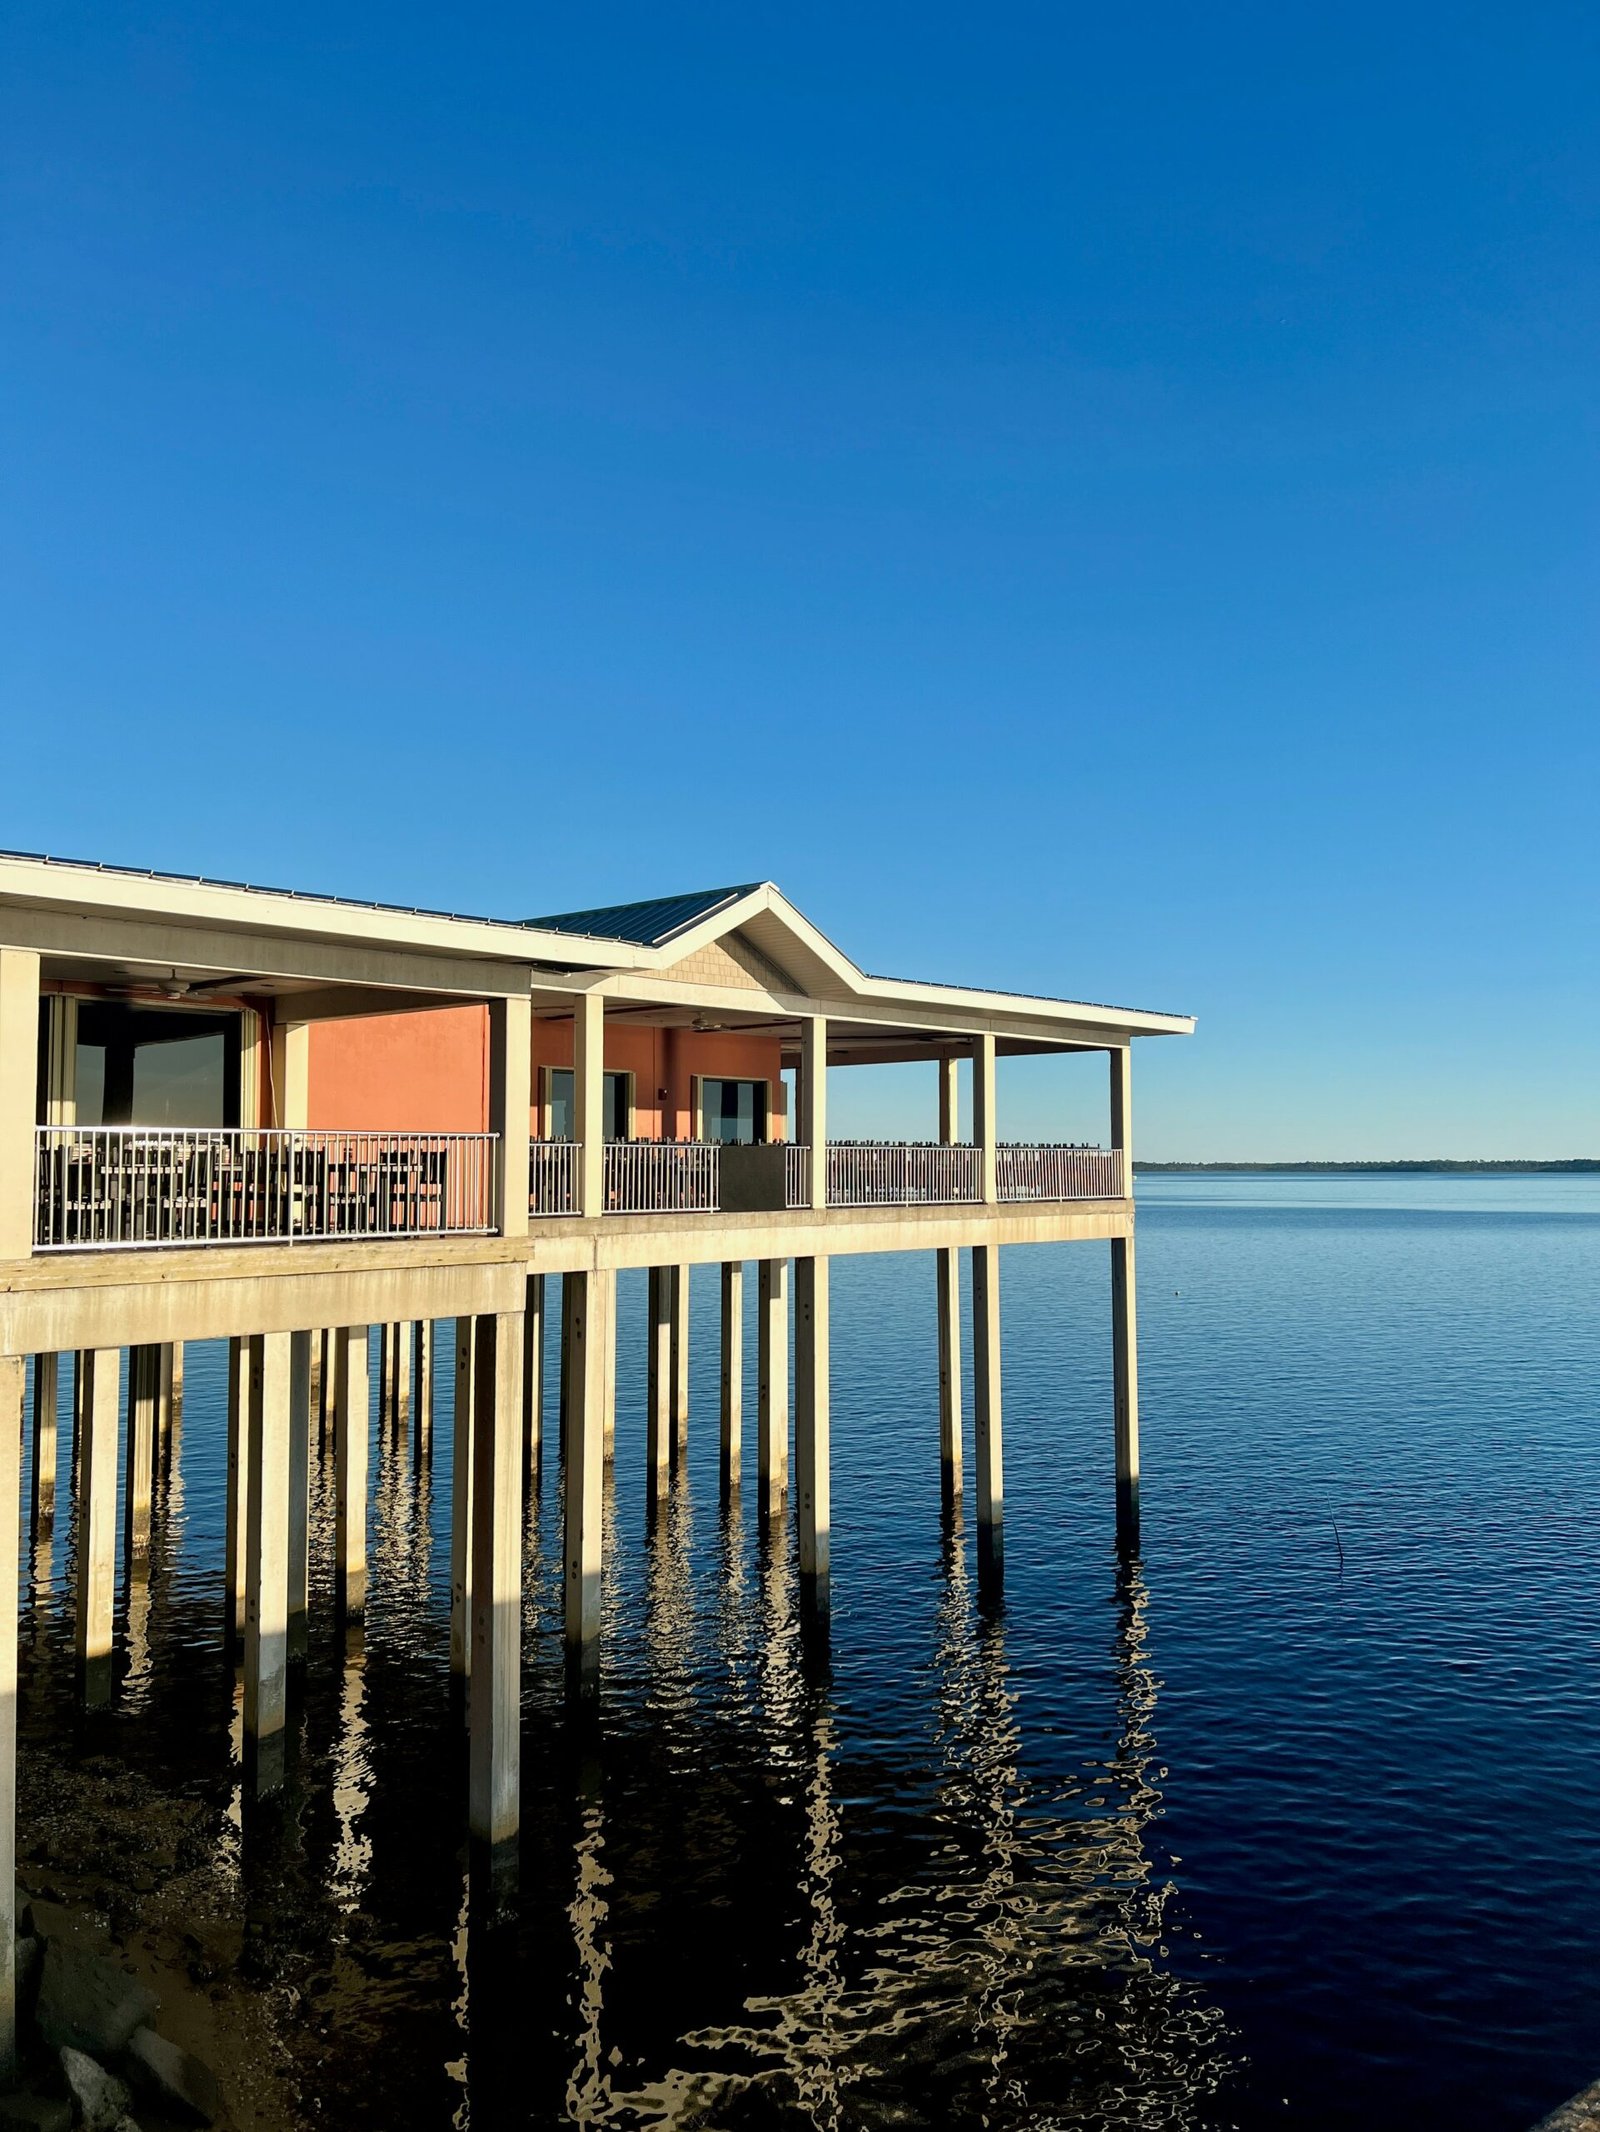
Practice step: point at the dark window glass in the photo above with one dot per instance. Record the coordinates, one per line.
(734, 1111)
(563, 1106)
(140, 1065)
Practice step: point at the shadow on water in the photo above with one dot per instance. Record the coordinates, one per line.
(750, 1894)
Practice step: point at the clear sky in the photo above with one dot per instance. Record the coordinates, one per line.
(1101, 501)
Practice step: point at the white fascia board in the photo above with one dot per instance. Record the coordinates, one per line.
(1138, 1021)
(90, 892)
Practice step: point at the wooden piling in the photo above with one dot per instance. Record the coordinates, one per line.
(266, 1639)
(97, 1515)
(811, 1430)
(351, 1428)
(732, 1373)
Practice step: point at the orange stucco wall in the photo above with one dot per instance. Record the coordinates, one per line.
(401, 1073)
(663, 1063)
(429, 1072)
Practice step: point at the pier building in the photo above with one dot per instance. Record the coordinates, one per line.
(334, 1133)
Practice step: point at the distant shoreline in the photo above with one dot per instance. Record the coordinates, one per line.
(1580, 1165)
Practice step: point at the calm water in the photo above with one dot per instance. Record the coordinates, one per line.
(1295, 1820)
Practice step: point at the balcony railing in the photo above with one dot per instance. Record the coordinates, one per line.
(553, 1176)
(1057, 1173)
(129, 1187)
(662, 1176)
(871, 1173)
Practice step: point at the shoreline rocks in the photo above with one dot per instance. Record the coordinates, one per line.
(88, 2044)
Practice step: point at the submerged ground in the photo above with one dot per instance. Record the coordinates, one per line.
(1294, 1819)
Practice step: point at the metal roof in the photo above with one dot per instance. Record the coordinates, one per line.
(650, 924)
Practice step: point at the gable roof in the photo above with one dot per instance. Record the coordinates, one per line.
(653, 923)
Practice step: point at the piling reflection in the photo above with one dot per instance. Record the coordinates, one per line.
(1006, 1969)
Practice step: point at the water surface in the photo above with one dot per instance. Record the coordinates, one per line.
(1293, 1819)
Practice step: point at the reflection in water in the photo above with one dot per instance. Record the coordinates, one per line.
(755, 1892)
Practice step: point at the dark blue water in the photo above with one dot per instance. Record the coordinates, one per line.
(1293, 1820)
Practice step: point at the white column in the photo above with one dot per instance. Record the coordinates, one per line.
(510, 1099)
(811, 1447)
(266, 1635)
(461, 1472)
(986, 1436)
(658, 1382)
(422, 1387)
(494, 1693)
(299, 1483)
(984, 1130)
(352, 1421)
(812, 1104)
(144, 1392)
(19, 1079)
(1124, 1312)
(13, 1372)
(947, 1281)
(732, 1358)
(680, 1361)
(772, 1393)
(588, 1099)
(238, 1504)
(533, 1378)
(97, 1521)
(585, 1481)
(46, 1400)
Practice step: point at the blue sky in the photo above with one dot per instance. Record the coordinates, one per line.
(1102, 502)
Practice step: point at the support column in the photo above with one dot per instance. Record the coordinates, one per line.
(588, 1100)
(404, 1335)
(144, 1393)
(266, 1636)
(13, 1373)
(986, 1443)
(238, 1508)
(680, 1361)
(811, 1448)
(351, 1426)
(510, 1101)
(97, 1522)
(1124, 1312)
(732, 1403)
(585, 1482)
(169, 1398)
(984, 1128)
(46, 1396)
(461, 1472)
(533, 1379)
(327, 1385)
(658, 1382)
(772, 1395)
(947, 1281)
(19, 1080)
(811, 1094)
(388, 1377)
(572, 1361)
(494, 1695)
(608, 1363)
(422, 1387)
(299, 1492)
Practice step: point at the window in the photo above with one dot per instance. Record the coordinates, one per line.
(156, 1066)
(561, 1105)
(733, 1111)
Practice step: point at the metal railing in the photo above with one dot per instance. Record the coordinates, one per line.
(553, 1176)
(662, 1176)
(903, 1174)
(931, 1173)
(127, 1187)
(1058, 1173)
(797, 1174)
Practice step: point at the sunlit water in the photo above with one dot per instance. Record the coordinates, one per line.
(1295, 1820)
